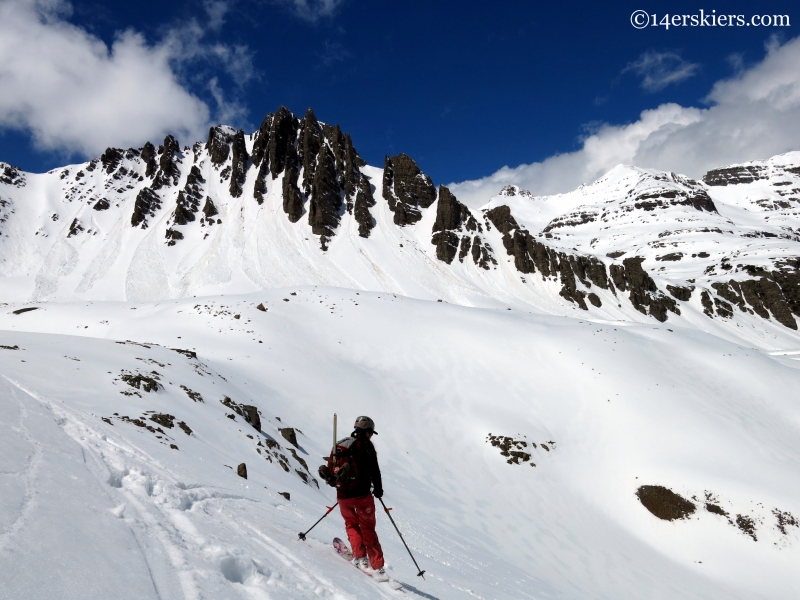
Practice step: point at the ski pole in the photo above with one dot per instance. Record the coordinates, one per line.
(302, 536)
(421, 572)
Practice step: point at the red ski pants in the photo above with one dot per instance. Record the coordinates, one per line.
(359, 520)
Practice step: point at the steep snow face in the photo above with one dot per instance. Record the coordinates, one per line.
(512, 446)
(294, 204)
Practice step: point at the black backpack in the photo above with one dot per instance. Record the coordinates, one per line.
(341, 471)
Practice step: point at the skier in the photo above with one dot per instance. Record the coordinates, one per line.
(359, 461)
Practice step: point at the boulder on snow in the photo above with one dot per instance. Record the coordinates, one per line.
(289, 434)
(663, 503)
(241, 471)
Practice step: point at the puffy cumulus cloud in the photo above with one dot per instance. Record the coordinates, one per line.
(752, 115)
(660, 69)
(77, 95)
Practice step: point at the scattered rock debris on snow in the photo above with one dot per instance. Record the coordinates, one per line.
(747, 525)
(511, 449)
(192, 394)
(139, 381)
(785, 519)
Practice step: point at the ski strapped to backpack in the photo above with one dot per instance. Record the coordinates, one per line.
(341, 471)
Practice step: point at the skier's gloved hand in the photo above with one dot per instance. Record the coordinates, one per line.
(327, 476)
(378, 492)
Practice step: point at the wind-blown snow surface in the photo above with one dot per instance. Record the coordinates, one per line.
(94, 508)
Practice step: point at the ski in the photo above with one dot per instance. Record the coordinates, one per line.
(343, 550)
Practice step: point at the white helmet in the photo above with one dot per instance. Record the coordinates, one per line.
(366, 424)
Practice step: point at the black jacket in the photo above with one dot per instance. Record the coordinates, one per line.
(369, 473)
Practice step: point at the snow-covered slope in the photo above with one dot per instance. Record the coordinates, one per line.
(97, 504)
(294, 204)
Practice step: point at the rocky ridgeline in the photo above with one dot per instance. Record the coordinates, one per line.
(332, 181)
(531, 255)
(320, 176)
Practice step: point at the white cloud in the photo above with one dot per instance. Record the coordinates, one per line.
(313, 10)
(75, 94)
(752, 115)
(660, 69)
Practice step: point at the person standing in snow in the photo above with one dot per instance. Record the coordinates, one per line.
(357, 477)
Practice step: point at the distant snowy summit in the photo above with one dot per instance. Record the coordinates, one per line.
(294, 204)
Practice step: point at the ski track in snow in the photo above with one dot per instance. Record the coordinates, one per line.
(439, 378)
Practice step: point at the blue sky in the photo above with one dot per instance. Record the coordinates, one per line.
(465, 88)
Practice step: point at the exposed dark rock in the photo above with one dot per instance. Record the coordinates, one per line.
(218, 145)
(451, 216)
(615, 254)
(111, 159)
(19, 311)
(141, 382)
(262, 308)
(406, 189)
(189, 198)
(723, 308)
(595, 299)
(531, 255)
(708, 304)
(173, 236)
(168, 172)
(282, 134)
(482, 253)
(239, 158)
(241, 471)
(363, 202)
(11, 176)
(775, 292)
(292, 198)
(164, 420)
(663, 503)
(147, 203)
(463, 249)
(75, 228)
(572, 219)
(250, 414)
(785, 519)
(510, 448)
(261, 140)
(286, 495)
(450, 213)
(683, 294)
(326, 198)
(735, 175)
(209, 209)
(310, 140)
(195, 396)
(14, 347)
(747, 525)
(672, 256)
(289, 434)
(357, 188)
(694, 196)
(101, 204)
(716, 509)
(148, 155)
(644, 295)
